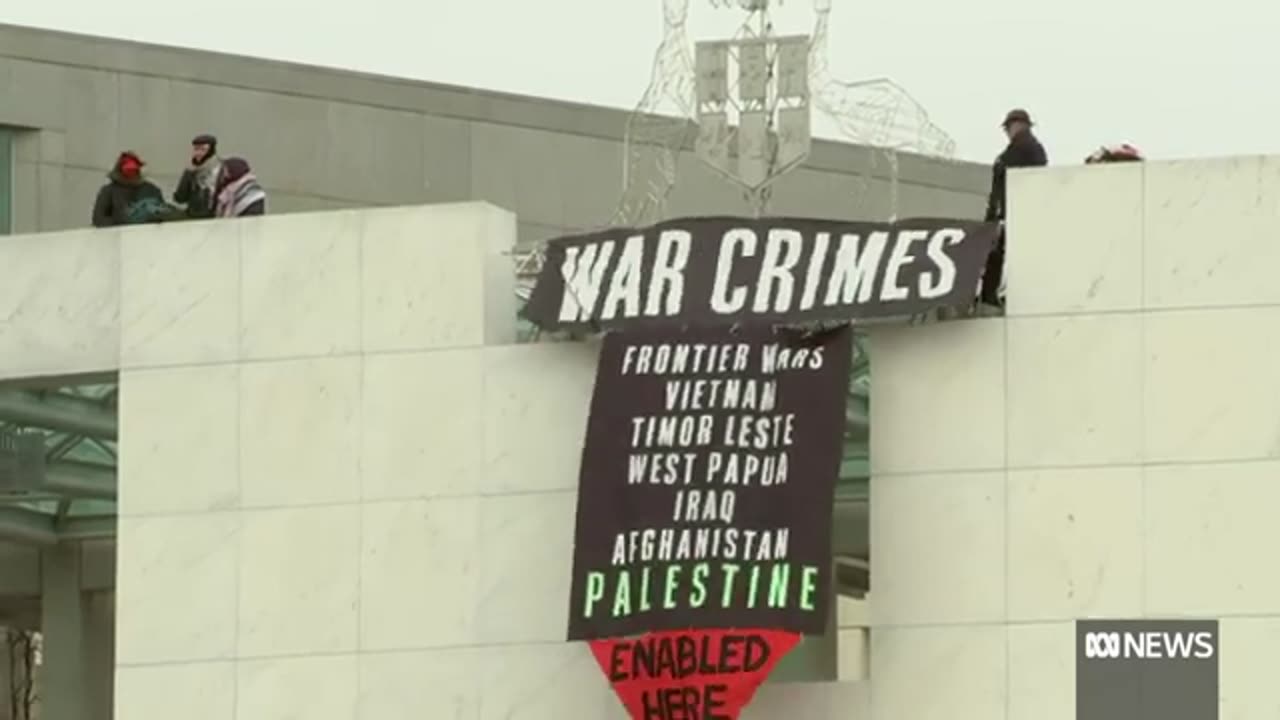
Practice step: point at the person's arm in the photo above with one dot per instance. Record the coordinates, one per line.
(102, 211)
(186, 187)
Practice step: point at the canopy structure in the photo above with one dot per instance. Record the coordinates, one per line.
(57, 462)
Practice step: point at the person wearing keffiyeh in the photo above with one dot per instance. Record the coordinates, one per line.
(196, 187)
(239, 192)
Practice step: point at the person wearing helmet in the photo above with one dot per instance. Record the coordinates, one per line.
(1023, 150)
(1123, 152)
(196, 188)
(128, 198)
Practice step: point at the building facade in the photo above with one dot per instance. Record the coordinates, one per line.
(367, 511)
(324, 140)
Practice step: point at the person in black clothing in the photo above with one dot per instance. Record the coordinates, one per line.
(197, 187)
(128, 198)
(1024, 150)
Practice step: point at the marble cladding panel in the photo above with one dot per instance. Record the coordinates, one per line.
(176, 588)
(945, 410)
(939, 673)
(1210, 232)
(61, 311)
(187, 459)
(938, 544)
(1074, 239)
(1074, 390)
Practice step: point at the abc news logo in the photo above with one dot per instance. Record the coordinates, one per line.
(1151, 645)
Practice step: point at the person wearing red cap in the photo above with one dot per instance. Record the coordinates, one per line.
(1023, 150)
(126, 193)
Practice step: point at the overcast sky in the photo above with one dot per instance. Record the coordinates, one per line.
(1177, 79)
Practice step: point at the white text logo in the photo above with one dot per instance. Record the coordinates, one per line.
(1149, 645)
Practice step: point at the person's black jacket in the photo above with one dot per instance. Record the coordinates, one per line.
(1024, 150)
(112, 204)
(201, 201)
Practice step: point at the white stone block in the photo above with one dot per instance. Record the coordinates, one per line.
(1212, 385)
(1211, 232)
(192, 691)
(300, 285)
(938, 548)
(1208, 528)
(524, 554)
(1075, 239)
(423, 424)
(176, 589)
(60, 303)
(180, 294)
(939, 673)
(435, 684)
(418, 574)
(300, 432)
(181, 449)
(536, 399)
(1075, 390)
(438, 277)
(546, 682)
(1075, 544)
(938, 403)
(299, 580)
(1246, 668)
(1042, 671)
(323, 687)
(853, 661)
(811, 701)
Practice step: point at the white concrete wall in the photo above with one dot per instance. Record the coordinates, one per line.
(1111, 449)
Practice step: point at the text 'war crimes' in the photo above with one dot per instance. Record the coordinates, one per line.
(793, 272)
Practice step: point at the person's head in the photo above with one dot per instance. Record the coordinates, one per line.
(232, 170)
(203, 147)
(1016, 121)
(129, 165)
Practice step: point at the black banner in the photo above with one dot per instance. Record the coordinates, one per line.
(707, 481)
(724, 270)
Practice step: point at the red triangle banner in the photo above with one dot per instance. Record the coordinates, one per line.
(691, 674)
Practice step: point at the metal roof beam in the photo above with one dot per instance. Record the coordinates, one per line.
(27, 527)
(53, 382)
(80, 480)
(63, 413)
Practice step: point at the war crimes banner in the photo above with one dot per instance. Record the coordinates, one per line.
(722, 270)
(707, 480)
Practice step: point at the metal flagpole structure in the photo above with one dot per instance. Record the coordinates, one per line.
(752, 96)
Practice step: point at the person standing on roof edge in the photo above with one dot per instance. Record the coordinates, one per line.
(1023, 150)
(239, 193)
(197, 188)
(128, 198)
